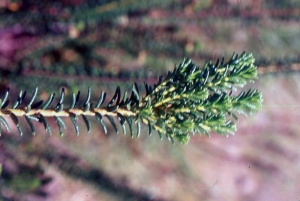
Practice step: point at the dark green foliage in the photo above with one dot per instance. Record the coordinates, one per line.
(189, 99)
(33, 113)
(194, 99)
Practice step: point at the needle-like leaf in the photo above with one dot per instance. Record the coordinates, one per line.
(189, 99)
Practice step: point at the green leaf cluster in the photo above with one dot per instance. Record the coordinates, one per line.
(189, 99)
(192, 99)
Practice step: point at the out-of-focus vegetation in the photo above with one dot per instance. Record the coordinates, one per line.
(103, 44)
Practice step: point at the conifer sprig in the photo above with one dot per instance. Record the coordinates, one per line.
(192, 99)
(189, 99)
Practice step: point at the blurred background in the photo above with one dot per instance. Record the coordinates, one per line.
(108, 43)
